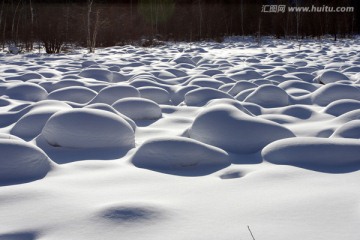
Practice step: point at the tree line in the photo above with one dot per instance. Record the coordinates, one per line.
(58, 24)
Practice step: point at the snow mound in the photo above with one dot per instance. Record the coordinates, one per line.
(349, 116)
(156, 94)
(298, 111)
(269, 96)
(111, 94)
(88, 63)
(63, 84)
(334, 91)
(296, 84)
(4, 102)
(342, 106)
(306, 77)
(97, 74)
(163, 74)
(31, 124)
(179, 95)
(246, 75)
(73, 94)
(149, 82)
(241, 86)
(226, 87)
(105, 107)
(199, 97)
(244, 94)
(228, 102)
(138, 108)
(22, 162)
(172, 153)
(88, 128)
(229, 128)
(330, 76)
(184, 60)
(26, 77)
(26, 92)
(348, 130)
(311, 152)
(212, 72)
(205, 82)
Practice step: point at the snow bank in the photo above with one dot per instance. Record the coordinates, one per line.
(330, 76)
(204, 82)
(4, 102)
(172, 153)
(111, 94)
(298, 111)
(228, 102)
(199, 97)
(246, 75)
(138, 108)
(334, 91)
(348, 130)
(31, 123)
(88, 128)
(26, 92)
(26, 77)
(88, 63)
(73, 94)
(241, 86)
(184, 60)
(156, 94)
(313, 152)
(291, 84)
(105, 107)
(269, 96)
(63, 84)
(228, 128)
(22, 162)
(97, 74)
(341, 106)
(179, 95)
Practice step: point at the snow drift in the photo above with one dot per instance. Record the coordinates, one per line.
(88, 128)
(22, 162)
(178, 153)
(228, 128)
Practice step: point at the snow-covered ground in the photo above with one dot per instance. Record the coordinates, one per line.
(182, 142)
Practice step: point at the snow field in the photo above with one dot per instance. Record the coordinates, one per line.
(180, 142)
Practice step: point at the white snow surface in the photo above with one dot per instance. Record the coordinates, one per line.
(182, 142)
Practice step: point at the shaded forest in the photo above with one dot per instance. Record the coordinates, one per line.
(96, 23)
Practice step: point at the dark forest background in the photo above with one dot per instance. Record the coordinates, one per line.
(56, 24)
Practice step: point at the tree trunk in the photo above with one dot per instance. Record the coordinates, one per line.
(13, 22)
(88, 42)
(32, 26)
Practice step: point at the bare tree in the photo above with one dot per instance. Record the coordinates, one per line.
(13, 30)
(32, 26)
(259, 31)
(297, 21)
(2, 12)
(4, 32)
(242, 17)
(95, 31)
(88, 41)
(200, 19)
(3, 20)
